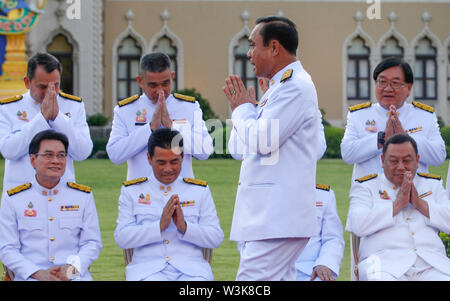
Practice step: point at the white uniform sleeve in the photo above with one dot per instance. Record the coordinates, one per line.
(14, 142)
(367, 216)
(90, 238)
(235, 146)
(322, 142)
(333, 244)
(207, 232)
(123, 145)
(128, 233)
(77, 130)
(10, 245)
(356, 148)
(440, 210)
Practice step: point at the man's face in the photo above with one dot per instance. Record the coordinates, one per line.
(154, 84)
(260, 56)
(39, 83)
(388, 96)
(166, 164)
(398, 159)
(50, 161)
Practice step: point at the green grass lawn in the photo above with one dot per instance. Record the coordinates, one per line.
(222, 175)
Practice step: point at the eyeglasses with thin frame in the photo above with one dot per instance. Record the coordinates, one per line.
(49, 155)
(382, 84)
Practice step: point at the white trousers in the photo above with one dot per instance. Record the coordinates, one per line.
(270, 259)
(170, 273)
(420, 271)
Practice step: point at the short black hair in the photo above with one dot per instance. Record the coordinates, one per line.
(35, 143)
(399, 139)
(281, 29)
(45, 60)
(155, 62)
(394, 62)
(165, 138)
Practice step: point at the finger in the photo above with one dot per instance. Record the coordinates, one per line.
(230, 87)
(236, 80)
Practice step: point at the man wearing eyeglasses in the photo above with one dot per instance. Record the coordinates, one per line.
(49, 227)
(370, 124)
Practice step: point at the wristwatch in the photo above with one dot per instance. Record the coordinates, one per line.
(381, 135)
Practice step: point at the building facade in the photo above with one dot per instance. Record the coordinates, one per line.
(340, 44)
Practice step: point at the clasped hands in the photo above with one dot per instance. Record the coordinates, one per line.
(58, 273)
(393, 124)
(173, 211)
(161, 114)
(407, 194)
(49, 105)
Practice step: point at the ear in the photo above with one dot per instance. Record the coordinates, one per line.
(275, 47)
(172, 75)
(33, 160)
(139, 80)
(409, 86)
(27, 82)
(149, 159)
(382, 160)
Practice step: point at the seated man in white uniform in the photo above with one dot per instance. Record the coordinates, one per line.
(167, 219)
(398, 215)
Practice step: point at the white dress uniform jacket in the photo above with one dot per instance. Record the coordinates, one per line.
(138, 226)
(327, 248)
(21, 119)
(364, 121)
(41, 228)
(392, 243)
(276, 194)
(131, 131)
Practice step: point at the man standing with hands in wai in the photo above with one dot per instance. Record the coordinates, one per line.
(136, 117)
(42, 107)
(370, 124)
(274, 214)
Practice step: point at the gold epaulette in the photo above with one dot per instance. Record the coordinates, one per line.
(11, 99)
(360, 106)
(429, 176)
(195, 182)
(71, 97)
(79, 187)
(128, 100)
(367, 178)
(19, 188)
(323, 187)
(286, 75)
(135, 181)
(184, 97)
(423, 106)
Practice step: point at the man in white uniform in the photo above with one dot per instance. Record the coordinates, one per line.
(42, 107)
(370, 124)
(398, 215)
(167, 219)
(137, 116)
(49, 227)
(274, 213)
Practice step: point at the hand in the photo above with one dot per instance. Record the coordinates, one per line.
(236, 93)
(166, 216)
(323, 272)
(157, 115)
(418, 203)
(44, 275)
(396, 124)
(165, 117)
(49, 106)
(64, 272)
(263, 84)
(404, 193)
(390, 129)
(178, 216)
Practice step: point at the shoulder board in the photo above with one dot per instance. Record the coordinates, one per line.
(323, 187)
(12, 99)
(423, 106)
(367, 178)
(184, 97)
(195, 182)
(79, 187)
(128, 100)
(19, 188)
(135, 181)
(360, 106)
(286, 75)
(429, 176)
(68, 96)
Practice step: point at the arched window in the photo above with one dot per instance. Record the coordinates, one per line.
(63, 51)
(242, 66)
(425, 71)
(358, 71)
(128, 68)
(165, 45)
(391, 47)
